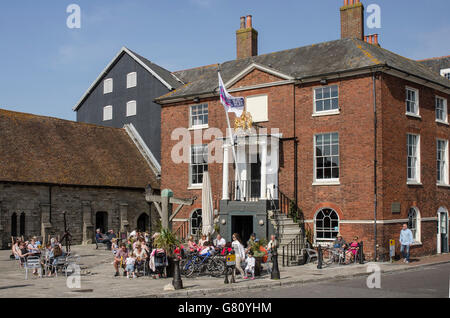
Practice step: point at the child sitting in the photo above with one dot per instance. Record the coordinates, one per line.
(250, 268)
(130, 266)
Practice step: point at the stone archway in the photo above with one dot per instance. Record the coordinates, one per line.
(143, 223)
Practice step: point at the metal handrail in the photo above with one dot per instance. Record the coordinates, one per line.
(245, 190)
(182, 232)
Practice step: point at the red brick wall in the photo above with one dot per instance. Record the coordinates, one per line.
(354, 197)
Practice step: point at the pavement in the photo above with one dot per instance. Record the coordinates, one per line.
(97, 279)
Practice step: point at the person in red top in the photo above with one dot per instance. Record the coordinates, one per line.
(119, 259)
(191, 244)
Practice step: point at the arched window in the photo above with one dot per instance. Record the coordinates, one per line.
(326, 224)
(196, 221)
(414, 223)
(22, 224)
(14, 224)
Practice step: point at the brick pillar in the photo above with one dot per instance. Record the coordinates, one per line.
(352, 20)
(124, 224)
(246, 39)
(45, 221)
(88, 227)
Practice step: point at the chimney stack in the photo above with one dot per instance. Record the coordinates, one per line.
(246, 39)
(352, 20)
(372, 39)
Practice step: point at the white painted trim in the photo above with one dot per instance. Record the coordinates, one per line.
(417, 101)
(105, 70)
(252, 67)
(145, 151)
(104, 109)
(446, 181)
(128, 79)
(418, 178)
(439, 241)
(393, 221)
(445, 71)
(445, 121)
(251, 87)
(180, 220)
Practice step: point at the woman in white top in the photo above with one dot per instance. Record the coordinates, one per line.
(239, 252)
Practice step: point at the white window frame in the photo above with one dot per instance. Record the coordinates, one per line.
(445, 72)
(106, 89)
(445, 171)
(331, 181)
(260, 118)
(417, 103)
(416, 180)
(417, 236)
(131, 81)
(445, 110)
(325, 112)
(191, 184)
(130, 110)
(105, 109)
(316, 239)
(201, 126)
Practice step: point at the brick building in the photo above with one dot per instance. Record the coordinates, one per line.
(97, 174)
(356, 136)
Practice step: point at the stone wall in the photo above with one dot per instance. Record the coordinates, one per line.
(123, 208)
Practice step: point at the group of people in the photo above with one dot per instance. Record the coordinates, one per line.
(244, 255)
(348, 250)
(134, 253)
(23, 249)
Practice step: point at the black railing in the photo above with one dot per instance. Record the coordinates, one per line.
(292, 250)
(245, 190)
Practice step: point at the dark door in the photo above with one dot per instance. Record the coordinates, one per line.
(142, 222)
(22, 224)
(255, 175)
(443, 231)
(101, 221)
(14, 224)
(242, 225)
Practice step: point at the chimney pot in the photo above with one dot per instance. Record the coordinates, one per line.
(249, 22)
(352, 20)
(242, 22)
(375, 39)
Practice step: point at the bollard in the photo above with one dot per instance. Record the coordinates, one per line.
(226, 281)
(233, 280)
(319, 257)
(177, 282)
(361, 253)
(275, 270)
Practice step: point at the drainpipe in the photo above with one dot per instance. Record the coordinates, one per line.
(375, 166)
(295, 156)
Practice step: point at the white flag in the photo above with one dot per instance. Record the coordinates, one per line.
(231, 104)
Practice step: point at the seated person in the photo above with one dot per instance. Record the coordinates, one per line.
(114, 246)
(22, 252)
(140, 255)
(202, 241)
(219, 242)
(339, 242)
(350, 254)
(15, 249)
(33, 248)
(191, 244)
(111, 235)
(100, 238)
(120, 258)
(207, 248)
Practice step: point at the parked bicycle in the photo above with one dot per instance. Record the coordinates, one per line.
(196, 263)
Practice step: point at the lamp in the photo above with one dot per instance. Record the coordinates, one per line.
(261, 222)
(223, 221)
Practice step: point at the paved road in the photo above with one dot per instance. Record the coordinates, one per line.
(427, 282)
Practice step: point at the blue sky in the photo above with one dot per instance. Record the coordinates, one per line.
(46, 67)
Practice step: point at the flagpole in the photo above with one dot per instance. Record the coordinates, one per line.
(233, 149)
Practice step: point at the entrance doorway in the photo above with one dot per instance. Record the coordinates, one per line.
(143, 222)
(101, 221)
(442, 236)
(242, 225)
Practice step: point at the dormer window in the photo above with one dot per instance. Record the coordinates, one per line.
(446, 73)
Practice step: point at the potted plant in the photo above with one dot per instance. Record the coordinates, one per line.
(167, 241)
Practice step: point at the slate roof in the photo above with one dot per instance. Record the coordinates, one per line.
(437, 64)
(301, 63)
(38, 149)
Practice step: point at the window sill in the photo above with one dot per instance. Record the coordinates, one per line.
(199, 127)
(413, 115)
(443, 185)
(442, 122)
(416, 244)
(195, 187)
(414, 183)
(326, 113)
(326, 183)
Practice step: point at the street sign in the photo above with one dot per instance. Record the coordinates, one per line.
(231, 260)
(391, 248)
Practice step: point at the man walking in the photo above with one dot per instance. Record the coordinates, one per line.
(406, 239)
